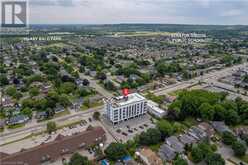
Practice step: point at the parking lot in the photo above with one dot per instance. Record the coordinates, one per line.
(129, 129)
(45, 138)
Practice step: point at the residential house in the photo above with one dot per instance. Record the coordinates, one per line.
(148, 157)
(19, 119)
(187, 139)
(41, 115)
(220, 126)
(7, 102)
(77, 104)
(166, 153)
(197, 133)
(174, 143)
(59, 109)
(207, 128)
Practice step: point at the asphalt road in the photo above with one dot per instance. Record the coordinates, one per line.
(42, 125)
(209, 77)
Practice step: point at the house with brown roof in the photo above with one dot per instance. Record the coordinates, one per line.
(148, 157)
(52, 151)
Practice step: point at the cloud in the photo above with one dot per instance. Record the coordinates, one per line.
(140, 11)
(65, 3)
(231, 13)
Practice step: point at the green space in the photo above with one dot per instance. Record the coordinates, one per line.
(16, 126)
(60, 114)
(244, 158)
(87, 106)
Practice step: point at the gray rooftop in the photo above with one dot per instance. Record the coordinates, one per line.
(166, 153)
(220, 126)
(186, 139)
(175, 144)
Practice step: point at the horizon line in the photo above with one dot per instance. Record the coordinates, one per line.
(90, 24)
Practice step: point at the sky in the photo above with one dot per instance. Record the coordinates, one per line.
(214, 12)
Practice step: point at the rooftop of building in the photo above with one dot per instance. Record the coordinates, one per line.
(122, 100)
(55, 149)
(155, 107)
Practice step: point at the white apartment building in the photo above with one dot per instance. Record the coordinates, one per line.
(118, 109)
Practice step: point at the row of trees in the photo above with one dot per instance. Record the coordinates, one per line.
(239, 148)
(209, 106)
(164, 67)
(204, 151)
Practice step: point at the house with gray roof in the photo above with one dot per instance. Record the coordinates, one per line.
(19, 119)
(166, 153)
(186, 139)
(220, 126)
(174, 143)
(197, 133)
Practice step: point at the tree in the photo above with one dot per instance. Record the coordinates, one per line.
(51, 127)
(219, 112)
(86, 82)
(67, 87)
(96, 115)
(3, 80)
(16, 81)
(115, 151)
(215, 159)
(78, 159)
(197, 154)
(239, 148)
(87, 103)
(165, 128)
(207, 111)
(245, 138)
(11, 91)
(180, 161)
(27, 111)
(34, 91)
(84, 91)
(231, 117)
(109, 86)
(101, 76)
(64, 100)
(178, 127)
(228, 138)
(151, 136)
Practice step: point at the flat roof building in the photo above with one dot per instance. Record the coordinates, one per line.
(153, 108)
(52, 151)
(118, 109)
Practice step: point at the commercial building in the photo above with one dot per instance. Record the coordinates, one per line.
(118, 109)
(153, 108)
(52, 151)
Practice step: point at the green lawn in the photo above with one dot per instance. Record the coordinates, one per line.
(16, 126)
(189, 122)
(244, 158)
(155, 147)
(175, 93)
(66, 112)
(95, 104)
(1, 130)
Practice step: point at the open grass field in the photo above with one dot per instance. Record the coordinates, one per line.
(141, 33)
